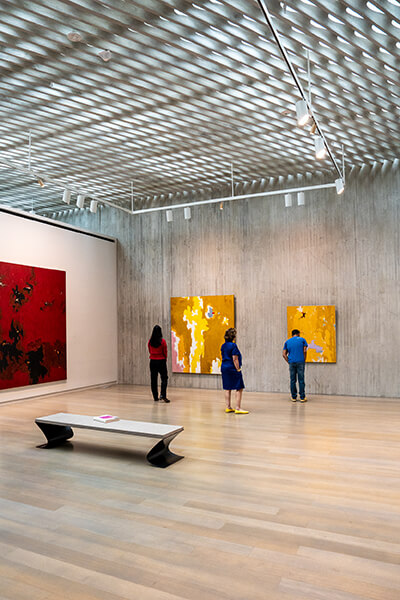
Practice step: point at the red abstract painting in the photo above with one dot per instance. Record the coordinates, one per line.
(32, 325)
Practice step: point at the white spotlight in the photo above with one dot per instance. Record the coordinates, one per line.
(300, 199)
(67, 196)
(288, 200)
(320, 148)
(80, 200)
(93, 206)
(169, 215)
(302, 113)
(339, 186)
(187, 212)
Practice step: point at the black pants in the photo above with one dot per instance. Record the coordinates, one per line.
(156, 367)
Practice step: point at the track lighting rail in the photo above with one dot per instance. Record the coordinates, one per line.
(297, 81)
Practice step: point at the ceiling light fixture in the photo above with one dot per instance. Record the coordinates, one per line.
(288, 200)
(170, 216)
(80, 200)
(67, 196)
(320, 148)
(74, 36)
(300, 199)
(263, 6)
(58, 184)
(339, 186)
(302, 113)
(221, 201)
(93, 206)
(105, 55)
(187, 212)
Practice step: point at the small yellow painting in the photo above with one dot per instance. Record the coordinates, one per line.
(317, 324)
(198, 324)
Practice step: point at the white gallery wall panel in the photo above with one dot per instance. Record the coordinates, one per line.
(340, 250)
(91, 297)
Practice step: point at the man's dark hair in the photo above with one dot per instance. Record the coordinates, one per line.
(295, 332)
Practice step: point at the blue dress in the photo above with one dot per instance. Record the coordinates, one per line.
(231, 378)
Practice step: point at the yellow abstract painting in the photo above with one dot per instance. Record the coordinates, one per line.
(317, 324)
(198, 324)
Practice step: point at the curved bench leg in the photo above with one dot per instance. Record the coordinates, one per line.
(160, 455)
(55, 434)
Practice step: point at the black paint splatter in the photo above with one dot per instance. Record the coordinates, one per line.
(21, 296)
(35, 366)
(47, 305)
(8, 350)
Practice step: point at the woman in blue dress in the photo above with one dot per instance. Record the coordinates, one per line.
(231, 371)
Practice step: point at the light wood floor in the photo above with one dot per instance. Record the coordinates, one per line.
(292, 502)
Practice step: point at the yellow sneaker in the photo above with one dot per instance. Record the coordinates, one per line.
(303, 399)
(241, 412)
(228, 410)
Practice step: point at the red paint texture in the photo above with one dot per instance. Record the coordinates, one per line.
(32, 325)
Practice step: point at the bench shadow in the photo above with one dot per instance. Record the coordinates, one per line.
(91, 449)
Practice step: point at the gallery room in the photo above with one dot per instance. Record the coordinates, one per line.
(200, 300)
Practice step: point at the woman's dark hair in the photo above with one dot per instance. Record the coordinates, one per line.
(230, 334)
(156, 337)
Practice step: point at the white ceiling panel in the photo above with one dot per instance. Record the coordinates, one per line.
(191, 88)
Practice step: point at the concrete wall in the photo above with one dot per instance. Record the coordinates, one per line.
(341, 250)
(91, 295)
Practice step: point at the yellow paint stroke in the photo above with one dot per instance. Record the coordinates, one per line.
(317, 324)
(198, 324)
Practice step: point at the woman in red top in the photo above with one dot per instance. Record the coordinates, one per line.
(158, 363)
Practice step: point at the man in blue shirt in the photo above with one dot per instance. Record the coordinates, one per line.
(295, 353)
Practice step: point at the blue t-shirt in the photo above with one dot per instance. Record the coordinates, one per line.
(295, 347)
(227, 351)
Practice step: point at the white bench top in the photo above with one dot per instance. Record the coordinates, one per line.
(156, 430)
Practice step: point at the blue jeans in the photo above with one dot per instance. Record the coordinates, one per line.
(297, 370)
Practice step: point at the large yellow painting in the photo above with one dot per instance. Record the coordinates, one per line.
(198, 324)
(317, 324)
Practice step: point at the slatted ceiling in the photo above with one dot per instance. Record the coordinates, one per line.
(190, 88)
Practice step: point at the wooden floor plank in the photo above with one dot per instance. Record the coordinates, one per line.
(290, 502)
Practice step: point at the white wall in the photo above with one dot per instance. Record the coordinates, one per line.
(91, 295)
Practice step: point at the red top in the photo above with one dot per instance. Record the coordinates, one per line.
(159, 353)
